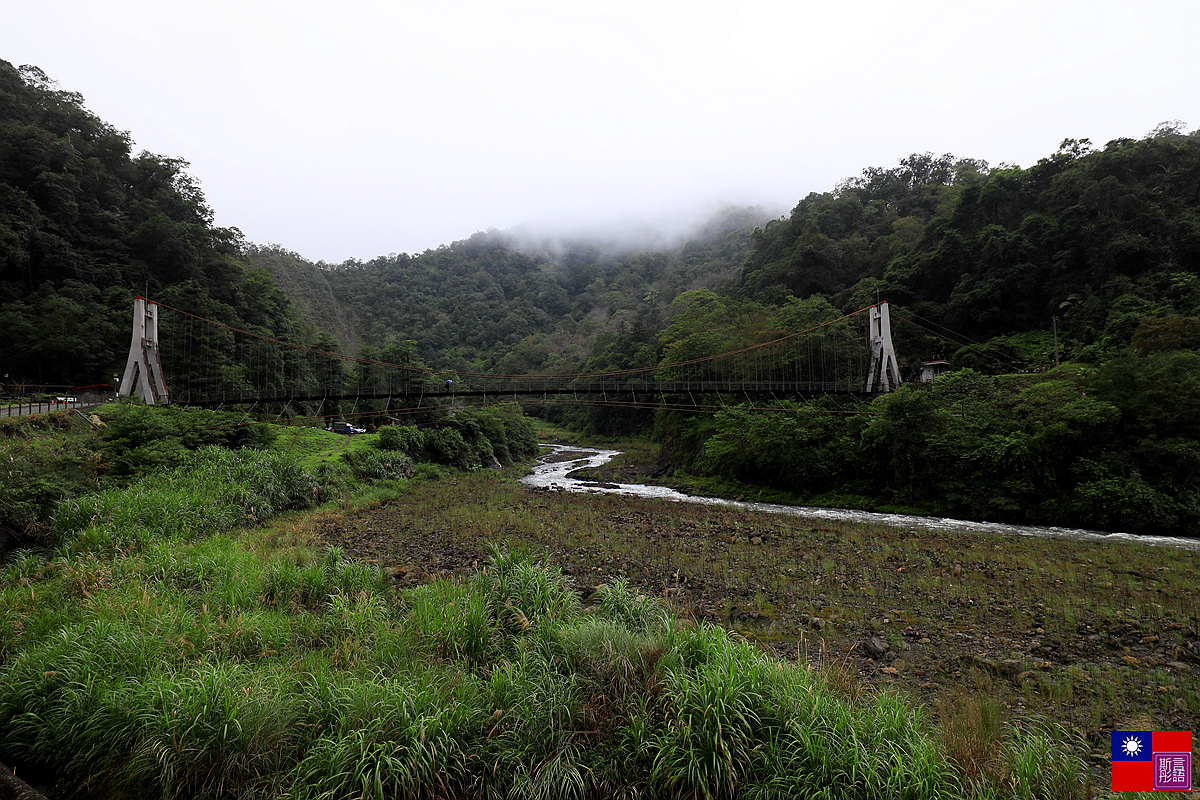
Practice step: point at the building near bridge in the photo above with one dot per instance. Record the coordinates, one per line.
(932, 369)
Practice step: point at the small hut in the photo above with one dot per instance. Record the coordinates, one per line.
(932, 369)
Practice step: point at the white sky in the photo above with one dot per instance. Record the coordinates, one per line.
(361, 127)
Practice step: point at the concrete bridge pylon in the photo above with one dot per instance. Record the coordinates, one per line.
(883, 355)
(143, 369)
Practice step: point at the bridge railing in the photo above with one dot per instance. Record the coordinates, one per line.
(524, 387)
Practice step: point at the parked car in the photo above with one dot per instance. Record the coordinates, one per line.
(346, 428)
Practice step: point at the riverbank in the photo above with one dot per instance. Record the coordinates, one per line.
(167, 649)
(1100, 636)
(998, 640)
(578, 469)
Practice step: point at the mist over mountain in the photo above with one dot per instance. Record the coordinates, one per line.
(663, 232)
(500, 297)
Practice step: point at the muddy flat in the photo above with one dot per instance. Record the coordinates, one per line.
(1100, 636)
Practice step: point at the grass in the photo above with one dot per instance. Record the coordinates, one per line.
(1093, 634)
(180, 644)
(312, 447)
(186, 675)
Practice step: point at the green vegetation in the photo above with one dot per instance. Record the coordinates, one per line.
(86, 225)
(140, 439)
(498, 303)
(1110, 448)
(158, 654)
(55, 465)
(163, 640)
(180, 643)
(1101, 240)
(979, 263)
(1002, 631)
(982, 265)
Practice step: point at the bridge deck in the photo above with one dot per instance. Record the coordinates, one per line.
(538, 387)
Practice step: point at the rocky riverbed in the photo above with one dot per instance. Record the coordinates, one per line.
(1096, 635)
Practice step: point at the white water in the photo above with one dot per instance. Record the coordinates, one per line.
(556, 475)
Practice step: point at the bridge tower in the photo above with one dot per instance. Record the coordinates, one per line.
(883, 355)
(143, 369)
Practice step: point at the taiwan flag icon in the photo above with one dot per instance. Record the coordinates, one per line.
(1146, 761)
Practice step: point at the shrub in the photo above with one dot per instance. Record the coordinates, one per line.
(40, 467)
(500, 432)
(140, 439)
(447, 446)
(405, 439)
(378, 465)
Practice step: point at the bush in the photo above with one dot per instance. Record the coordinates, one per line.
(40, 466)
(405, 439)
(467, 439)
(140, 439)
(378, 465)
(447, 446)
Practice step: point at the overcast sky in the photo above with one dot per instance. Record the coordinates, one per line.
(359, 128)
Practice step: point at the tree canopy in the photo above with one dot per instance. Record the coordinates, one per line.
(1090, 256)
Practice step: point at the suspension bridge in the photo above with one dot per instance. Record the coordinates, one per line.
(207, 363)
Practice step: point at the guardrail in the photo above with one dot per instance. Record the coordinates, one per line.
(24, 406)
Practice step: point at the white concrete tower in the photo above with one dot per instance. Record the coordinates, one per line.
(143, 369)
(883, 355)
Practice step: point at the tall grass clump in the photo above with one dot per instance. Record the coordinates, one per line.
(293, 580)
(973, 737)
(207, 668)
(994, 760)
(393, 738)
(738, 724)
(714, 713)
(617, 602)
(526, 598)
(380, 465)
(453, 620)
(215, 490)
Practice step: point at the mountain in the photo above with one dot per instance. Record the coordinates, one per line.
(1091, 257)
(511, 301)
(85, 225)
(1099, 238)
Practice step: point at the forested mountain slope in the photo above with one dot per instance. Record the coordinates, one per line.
(1099, 238)
(85, 225)
(499, 301)
(982, 266)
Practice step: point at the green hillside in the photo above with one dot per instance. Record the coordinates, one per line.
(502, 302)
(1100, 238)
(984, 266)
(85, 225)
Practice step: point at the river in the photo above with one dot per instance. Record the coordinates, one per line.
(553, 472)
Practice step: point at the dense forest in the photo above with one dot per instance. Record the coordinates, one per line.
(86, 224)
(502, 302)
(1100, 246)
(1088, 257)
